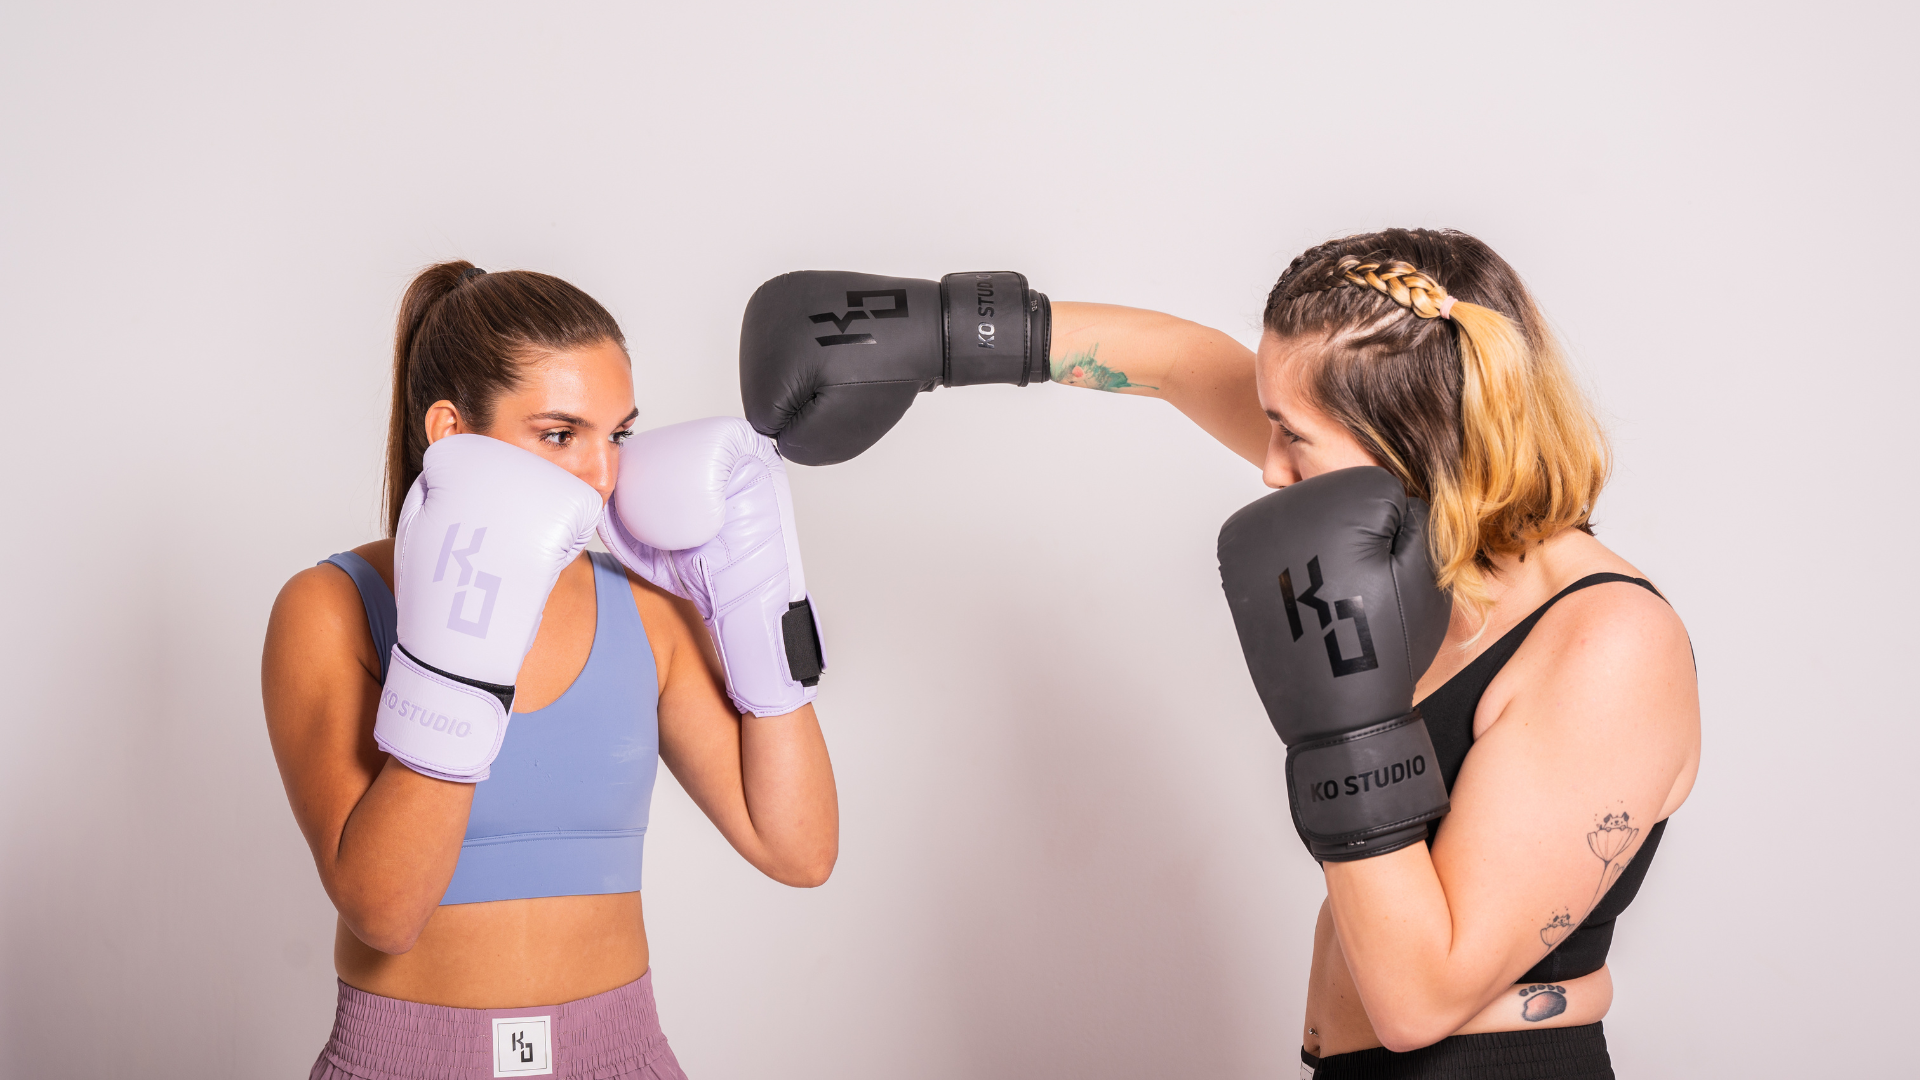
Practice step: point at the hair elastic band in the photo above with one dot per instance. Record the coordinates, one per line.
(472, 272)
(1446, 308)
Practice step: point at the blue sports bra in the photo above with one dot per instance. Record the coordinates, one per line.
(565, 811)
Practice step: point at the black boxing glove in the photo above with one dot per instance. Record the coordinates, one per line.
(829, 361)
(1338, 614)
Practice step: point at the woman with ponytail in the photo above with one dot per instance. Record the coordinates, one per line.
(490, 921)
(1562, 705)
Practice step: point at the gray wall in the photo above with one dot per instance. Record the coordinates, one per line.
(1065, 847)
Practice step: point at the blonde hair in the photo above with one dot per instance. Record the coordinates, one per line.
(1435, 357)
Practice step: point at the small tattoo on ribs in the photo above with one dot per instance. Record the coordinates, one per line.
(1542, 1001)
(1612, 835)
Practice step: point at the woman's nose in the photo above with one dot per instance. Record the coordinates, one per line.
(603, 469)
(1277, 471)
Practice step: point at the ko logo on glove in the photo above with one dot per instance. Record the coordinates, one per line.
(984, 307)
(856, 303)
(488, 585)
(1352, 607)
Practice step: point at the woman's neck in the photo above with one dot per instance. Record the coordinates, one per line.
(1521, 582)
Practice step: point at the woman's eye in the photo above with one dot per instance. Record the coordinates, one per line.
(557, 438)
(621, 436)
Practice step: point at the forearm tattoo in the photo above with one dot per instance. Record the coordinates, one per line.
(1083, 369)
(1612, 835)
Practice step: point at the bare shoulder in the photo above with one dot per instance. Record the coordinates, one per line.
(1613, 655)
(319, 616)
(1611, 623)
(1603, 689)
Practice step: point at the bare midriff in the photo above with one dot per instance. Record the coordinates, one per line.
(507, 954)
(1337, 1021)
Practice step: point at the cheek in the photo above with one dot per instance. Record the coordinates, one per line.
(1310, 462)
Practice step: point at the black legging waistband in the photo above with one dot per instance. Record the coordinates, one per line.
(1566, 1053)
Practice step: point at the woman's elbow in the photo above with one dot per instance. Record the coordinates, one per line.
(1404, 1038)
(809, 877)
(810, 874)
(805, 871)
(393, 944)
(1409, 1027)
(388, 937)
(384, 928)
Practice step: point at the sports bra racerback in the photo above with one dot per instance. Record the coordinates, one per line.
(1449, 713)
(565, 811)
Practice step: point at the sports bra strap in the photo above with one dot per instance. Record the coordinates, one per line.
(1587, 582)
(1601, 579)
(1502, 651)
(383, 615)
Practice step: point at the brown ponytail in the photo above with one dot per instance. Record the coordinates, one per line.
(1435, 357)
(463, 336)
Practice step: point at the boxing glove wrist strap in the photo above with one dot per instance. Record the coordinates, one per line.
(996, 330)
(439, 724)
(1365, 792)
(797, 631)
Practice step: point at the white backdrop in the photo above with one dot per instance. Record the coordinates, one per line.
(1065, 850)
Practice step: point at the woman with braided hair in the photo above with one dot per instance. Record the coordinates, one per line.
(1539, 694)
(1561, 703)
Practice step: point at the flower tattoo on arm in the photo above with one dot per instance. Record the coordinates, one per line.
(1082, 369)
(1611, 837)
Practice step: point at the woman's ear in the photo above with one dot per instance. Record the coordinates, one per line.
(443, 419)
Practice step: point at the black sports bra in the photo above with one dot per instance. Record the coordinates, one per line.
(1449, 714)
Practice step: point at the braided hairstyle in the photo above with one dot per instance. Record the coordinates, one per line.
(1431, 352)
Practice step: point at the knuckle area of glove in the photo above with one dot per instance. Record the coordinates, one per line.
(750, 497)
(748, 473)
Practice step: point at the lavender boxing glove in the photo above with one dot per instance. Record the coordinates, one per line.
(702, 510)
(484, 533)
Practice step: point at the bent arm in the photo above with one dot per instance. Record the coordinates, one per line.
(1552, 803)
(764, 781)
(384, 838)
(1200, 371)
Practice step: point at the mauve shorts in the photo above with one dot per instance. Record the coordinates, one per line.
(610, 1036)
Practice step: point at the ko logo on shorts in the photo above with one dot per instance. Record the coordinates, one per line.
(1353, 608)
(487, 584)
(858, 310)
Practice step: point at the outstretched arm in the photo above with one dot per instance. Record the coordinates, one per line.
(1199, 370)
(830, 361)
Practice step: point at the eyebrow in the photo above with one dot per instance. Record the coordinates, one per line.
(576, 421)
(1275, 416)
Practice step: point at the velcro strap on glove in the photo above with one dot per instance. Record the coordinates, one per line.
(996, 331)
(1366, 792)
(804, 661)
(438, 724)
